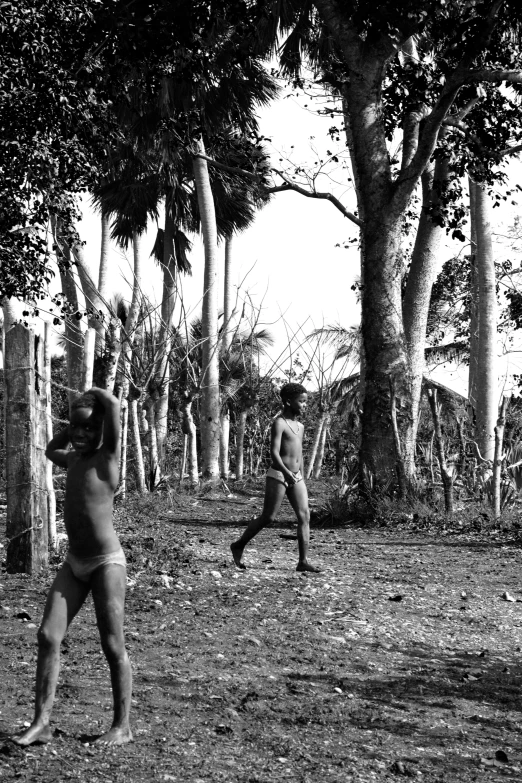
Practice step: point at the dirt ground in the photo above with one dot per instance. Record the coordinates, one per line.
(402, 659)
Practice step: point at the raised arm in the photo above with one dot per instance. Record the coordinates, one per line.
(111, 419)
(58, 448)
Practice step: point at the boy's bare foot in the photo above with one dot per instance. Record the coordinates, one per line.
(115, 736)
(36, 733)
(306, 567)
(237, 554)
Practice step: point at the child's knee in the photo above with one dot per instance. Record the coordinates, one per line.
(114, 648)
(49, 638)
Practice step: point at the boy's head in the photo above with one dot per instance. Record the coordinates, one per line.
(86, 423)
(294, 396)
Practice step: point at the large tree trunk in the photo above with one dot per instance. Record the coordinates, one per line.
(209, 325)
(486, 408)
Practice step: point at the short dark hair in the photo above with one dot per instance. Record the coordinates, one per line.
(88, 401)
(290, 390)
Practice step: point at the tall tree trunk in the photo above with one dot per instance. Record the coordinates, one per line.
(446, 475)
(47, 391)
(103, 283)
(209, 325)
(95, 322)
(486, 410)
(130, 329)
(473, 376)
(165, 338)
(226, 340)
(416, 302)
(72, 331)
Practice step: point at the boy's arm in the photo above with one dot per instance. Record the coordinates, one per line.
(111, 419)
(57, 448)
(275, 447)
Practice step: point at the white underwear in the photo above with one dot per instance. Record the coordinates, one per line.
(84, 567)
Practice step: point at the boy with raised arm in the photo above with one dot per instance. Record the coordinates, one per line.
(284, 477)
(95, 561)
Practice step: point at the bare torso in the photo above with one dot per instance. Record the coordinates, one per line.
(89, 497)
(290, 443)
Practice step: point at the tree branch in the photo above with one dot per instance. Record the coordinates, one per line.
(289, 185)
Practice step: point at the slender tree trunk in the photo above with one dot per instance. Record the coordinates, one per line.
(112, 353)
(189, 430)
(315, 443)
(95, 323)
(183, 460)
(209, 325)
(141, 484)
(49, 485)
(130, 329)
(240, 442)
(486, 389)
(318, 463)
(447, 477)
(473, 376)
(72, 331)
(165, 338)
(154, 469)
(227, 296)
(416, 302)
(224, 440)
(103, 283)
(498, 459)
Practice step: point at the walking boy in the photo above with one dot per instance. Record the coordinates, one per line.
(95, 561)
(284, 477)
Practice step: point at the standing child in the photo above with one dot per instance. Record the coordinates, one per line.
(95, 561)
(284, 477)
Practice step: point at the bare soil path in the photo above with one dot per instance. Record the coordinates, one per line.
(402, 659)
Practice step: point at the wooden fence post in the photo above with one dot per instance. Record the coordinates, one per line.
(25, 434)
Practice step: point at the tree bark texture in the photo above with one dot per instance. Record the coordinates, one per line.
(318, 462)
(47, 391)
(27, 529)
(486, 407)
(240, 442)
(224, 439)
(498, 459)
(139, 467)
(416, 302)
(315, 444)
(165, 338)
(189, 430)
(209, 416)
(447, 477)
(473, 304)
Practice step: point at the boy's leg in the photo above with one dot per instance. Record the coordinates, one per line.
(64, 600)
(108, 591)
(298, 498)
(274, 494)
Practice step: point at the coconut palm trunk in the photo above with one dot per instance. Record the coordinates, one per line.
(486, 407)
(103, 283)
(226, 339)
(162, 376)
(130, 328)
(74, 341)
(209, 324)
